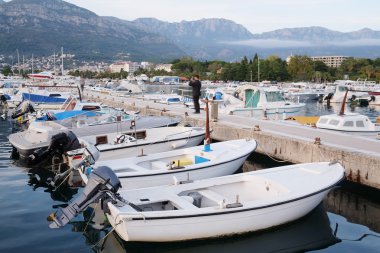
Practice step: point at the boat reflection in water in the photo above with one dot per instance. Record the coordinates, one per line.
(311, 232)
(350, 203)
(41, 178)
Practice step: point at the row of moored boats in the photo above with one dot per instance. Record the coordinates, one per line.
(154, 182)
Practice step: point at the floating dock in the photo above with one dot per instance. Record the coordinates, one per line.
(281, 140)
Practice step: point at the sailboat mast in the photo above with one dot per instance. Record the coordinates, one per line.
(258, 69)
(18, 62)
(32, 65)
(54, 62)
(62, 60)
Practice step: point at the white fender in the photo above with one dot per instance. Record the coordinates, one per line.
(179, 144)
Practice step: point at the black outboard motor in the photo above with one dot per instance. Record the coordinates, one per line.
(60, 143)
(329, 96)
(23, 108)
(3, 99)
(103, 184)
(353, 98)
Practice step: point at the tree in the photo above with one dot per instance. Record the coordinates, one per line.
(300, 68)
(7, 71)
(368, 70)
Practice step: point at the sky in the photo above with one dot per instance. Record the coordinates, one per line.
(256, 15)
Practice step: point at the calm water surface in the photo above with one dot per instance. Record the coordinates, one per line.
(347, 221)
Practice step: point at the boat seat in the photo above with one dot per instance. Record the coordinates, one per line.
(212, 195)
(182, 203)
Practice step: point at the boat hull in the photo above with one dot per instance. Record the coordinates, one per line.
(184, 175)
(224, 206)
(208, 226)
(28, 141)
(149, 148)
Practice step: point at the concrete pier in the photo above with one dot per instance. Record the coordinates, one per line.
(280, 140)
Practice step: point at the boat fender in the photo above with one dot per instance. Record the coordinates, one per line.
(88, 170)
(179, 144)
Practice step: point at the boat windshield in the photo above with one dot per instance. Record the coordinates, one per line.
(274, 96)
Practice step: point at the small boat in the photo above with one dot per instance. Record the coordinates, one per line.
(162, 98)
(207, 208)
(41, 75)
(347, 122)
(265, 99)
(185, 164)
(140, 142)
(340, 91)
(312, 232)
(45, 135)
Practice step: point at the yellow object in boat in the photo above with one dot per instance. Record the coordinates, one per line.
(305, 120)
(182, 162)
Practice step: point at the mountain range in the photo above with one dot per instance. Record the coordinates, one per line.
(41, 26)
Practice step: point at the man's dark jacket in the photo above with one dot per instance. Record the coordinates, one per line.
(196, 85)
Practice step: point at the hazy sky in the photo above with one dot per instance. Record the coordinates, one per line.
(256, 15)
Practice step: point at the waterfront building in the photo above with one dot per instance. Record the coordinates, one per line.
(331, 61)
(166, 67)
(129, 67)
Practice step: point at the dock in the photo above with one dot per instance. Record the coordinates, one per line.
(278, 139)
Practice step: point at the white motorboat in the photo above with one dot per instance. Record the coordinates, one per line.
(42, 135)
(269, 100)
(162, 98)
(140, 142)
(304, 92)
(348, 122)
(312, 232)
(340, 91)
(186, 164)
(207, 208)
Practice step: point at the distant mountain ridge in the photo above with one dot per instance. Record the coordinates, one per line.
(215, 29)
(316, 33)
(42, 26)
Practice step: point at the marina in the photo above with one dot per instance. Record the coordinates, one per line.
(283, 140)
(228, 127)
(347, 220)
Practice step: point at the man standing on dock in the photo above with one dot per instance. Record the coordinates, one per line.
(196, 86)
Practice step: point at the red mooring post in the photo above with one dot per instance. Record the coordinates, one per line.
(207, 142)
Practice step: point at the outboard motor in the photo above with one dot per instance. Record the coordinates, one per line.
(3, 99)
(103, 185)
(23, 108)
(60, 143)
(79, 159)
(353, 98)
(329, 96)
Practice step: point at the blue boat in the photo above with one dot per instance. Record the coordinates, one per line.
(43, 98)
(66, 115)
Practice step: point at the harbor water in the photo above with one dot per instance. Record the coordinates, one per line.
(347, 221)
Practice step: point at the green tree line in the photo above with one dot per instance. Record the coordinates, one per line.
(273, 68)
